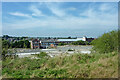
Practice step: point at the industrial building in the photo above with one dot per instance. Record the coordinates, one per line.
(46, 43)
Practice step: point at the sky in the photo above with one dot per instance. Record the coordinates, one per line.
(59, 19)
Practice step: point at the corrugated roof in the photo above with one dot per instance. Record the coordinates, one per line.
(50, 40)
(70, 39)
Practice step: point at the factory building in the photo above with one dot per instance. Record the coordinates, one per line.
(46, 43)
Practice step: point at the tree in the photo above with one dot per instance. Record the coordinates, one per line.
(21, 44)
(79, 42)
(5, 44)
(49, 38)
(106, 43)
(26, 44)
(14, 45)
(62, 44)
(6, 36)
(4, 52)
(69, 37)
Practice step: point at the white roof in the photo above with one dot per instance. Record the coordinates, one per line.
(71, 39)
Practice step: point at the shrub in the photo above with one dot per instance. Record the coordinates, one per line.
(5, 44)
(80, 43)
(71, 50)
(62, 44)
(106, 43)
(41, 55)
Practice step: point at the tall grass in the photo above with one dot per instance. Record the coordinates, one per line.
(73, 66)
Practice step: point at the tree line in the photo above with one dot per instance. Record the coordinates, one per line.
(17, 44)
(80, 42)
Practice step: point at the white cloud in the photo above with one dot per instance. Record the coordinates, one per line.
(93, 20)
(36, 11)
(89, 13)
(107, 7)
(104, 7)
(69, 22)
(55, 9)
(19, 14)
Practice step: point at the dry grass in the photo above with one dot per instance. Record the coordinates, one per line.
(74, 66)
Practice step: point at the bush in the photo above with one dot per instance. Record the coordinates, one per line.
(62, 44)
(21, 44)
(5, 44)
(41, 55)
(71, 50)
(106, 43)
(80, 43)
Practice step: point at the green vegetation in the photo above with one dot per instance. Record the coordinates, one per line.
(62, 44)
(73, 66)
(17, 44)
(41, 55)
(75, 43)
(21, 44)
(71, 50)
(80, 43)
(0, 46)
(106, 43)
(7, 45)
(16, 38)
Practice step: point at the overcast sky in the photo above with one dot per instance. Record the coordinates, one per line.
(59, 18)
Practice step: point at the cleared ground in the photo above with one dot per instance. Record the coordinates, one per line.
(70, 49)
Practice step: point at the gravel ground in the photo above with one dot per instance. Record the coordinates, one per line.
(54, 52)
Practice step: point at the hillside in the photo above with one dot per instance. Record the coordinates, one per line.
(74, 66)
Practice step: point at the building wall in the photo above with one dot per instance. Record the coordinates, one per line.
(31, 44)
(48, 44)
(72, 40)
(35, 44)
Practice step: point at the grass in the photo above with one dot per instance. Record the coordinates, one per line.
(92, 65)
